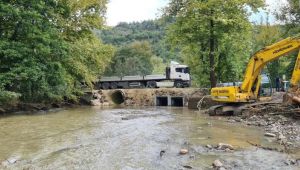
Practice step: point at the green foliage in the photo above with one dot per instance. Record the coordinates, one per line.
(39, 48)
(132, 59)
(216, 34)
(159, 67)
(290, 15)
(8, 98)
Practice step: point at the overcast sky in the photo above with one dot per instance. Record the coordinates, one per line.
(139, 10)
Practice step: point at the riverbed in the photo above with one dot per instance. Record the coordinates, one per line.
(131, 138)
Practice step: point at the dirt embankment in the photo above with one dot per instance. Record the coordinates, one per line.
(141, 97)
(34, 107)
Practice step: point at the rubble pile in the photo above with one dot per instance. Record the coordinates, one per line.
(281, 122)
(292, 97)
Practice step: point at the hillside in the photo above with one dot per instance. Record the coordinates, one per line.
(152, 31)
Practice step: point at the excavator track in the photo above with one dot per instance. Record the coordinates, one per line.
(226, 109)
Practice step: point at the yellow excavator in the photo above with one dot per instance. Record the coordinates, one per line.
(233, 97)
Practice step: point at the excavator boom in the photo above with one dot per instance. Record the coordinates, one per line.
(248, 91)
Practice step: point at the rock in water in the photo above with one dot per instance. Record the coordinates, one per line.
(281, 137)
(187, 167)
(162, 152)
(223, 146)
(217, 163)
(209, 146)
(2, 110)
(183, 151)
(270, 135)
(95, 102)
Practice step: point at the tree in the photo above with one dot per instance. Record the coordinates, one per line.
(159, 67)
(210, 29)
(290, 15)
(39, 55)
(133, 59)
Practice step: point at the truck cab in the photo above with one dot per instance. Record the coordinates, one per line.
(180, 74)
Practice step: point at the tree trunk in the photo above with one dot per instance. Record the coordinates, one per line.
(213, 78)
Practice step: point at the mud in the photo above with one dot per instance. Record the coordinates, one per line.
(133, 138)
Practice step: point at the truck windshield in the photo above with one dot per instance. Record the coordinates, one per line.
(183, 70)
(187, 70)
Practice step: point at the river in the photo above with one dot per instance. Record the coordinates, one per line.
(130, 138)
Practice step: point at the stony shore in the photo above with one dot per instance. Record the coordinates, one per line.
(279, 126)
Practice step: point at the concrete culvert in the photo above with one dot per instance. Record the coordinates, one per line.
(177, 101)
(118, 97)
(161, 101)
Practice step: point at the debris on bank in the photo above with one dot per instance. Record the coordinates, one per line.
(280, 121)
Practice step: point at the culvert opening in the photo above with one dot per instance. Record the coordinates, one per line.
(161, 101)
(177, 101)
(118, 97)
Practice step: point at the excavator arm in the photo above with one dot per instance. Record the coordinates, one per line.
(296, 73)
(248, 91)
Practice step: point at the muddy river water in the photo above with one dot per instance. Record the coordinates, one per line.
(131, 138)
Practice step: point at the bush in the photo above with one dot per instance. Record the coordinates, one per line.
(9, 98)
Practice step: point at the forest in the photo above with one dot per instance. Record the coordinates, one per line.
(48, 48)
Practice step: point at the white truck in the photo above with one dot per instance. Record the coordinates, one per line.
(176, 75)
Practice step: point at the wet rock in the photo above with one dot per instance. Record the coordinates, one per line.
(105, 104)
(223, 146)
(231, 121)
(2, 110)
(183, 151)
(186, 143)
(209, 146)
(162, 152)
(290, 162)
(56, 105)
(228, 150)
(270, 135)
(281, 137)
(192, 157)
(238, 120)
(250, 123)
(187, 167)
(95, 102)
(124, 118)
(217, 164)
(262, 123)
(10, 160)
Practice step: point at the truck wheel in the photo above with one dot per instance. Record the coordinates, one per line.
(142, 86)
(113, 85)
(151, 84)
(178, 84)
(105, 86)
